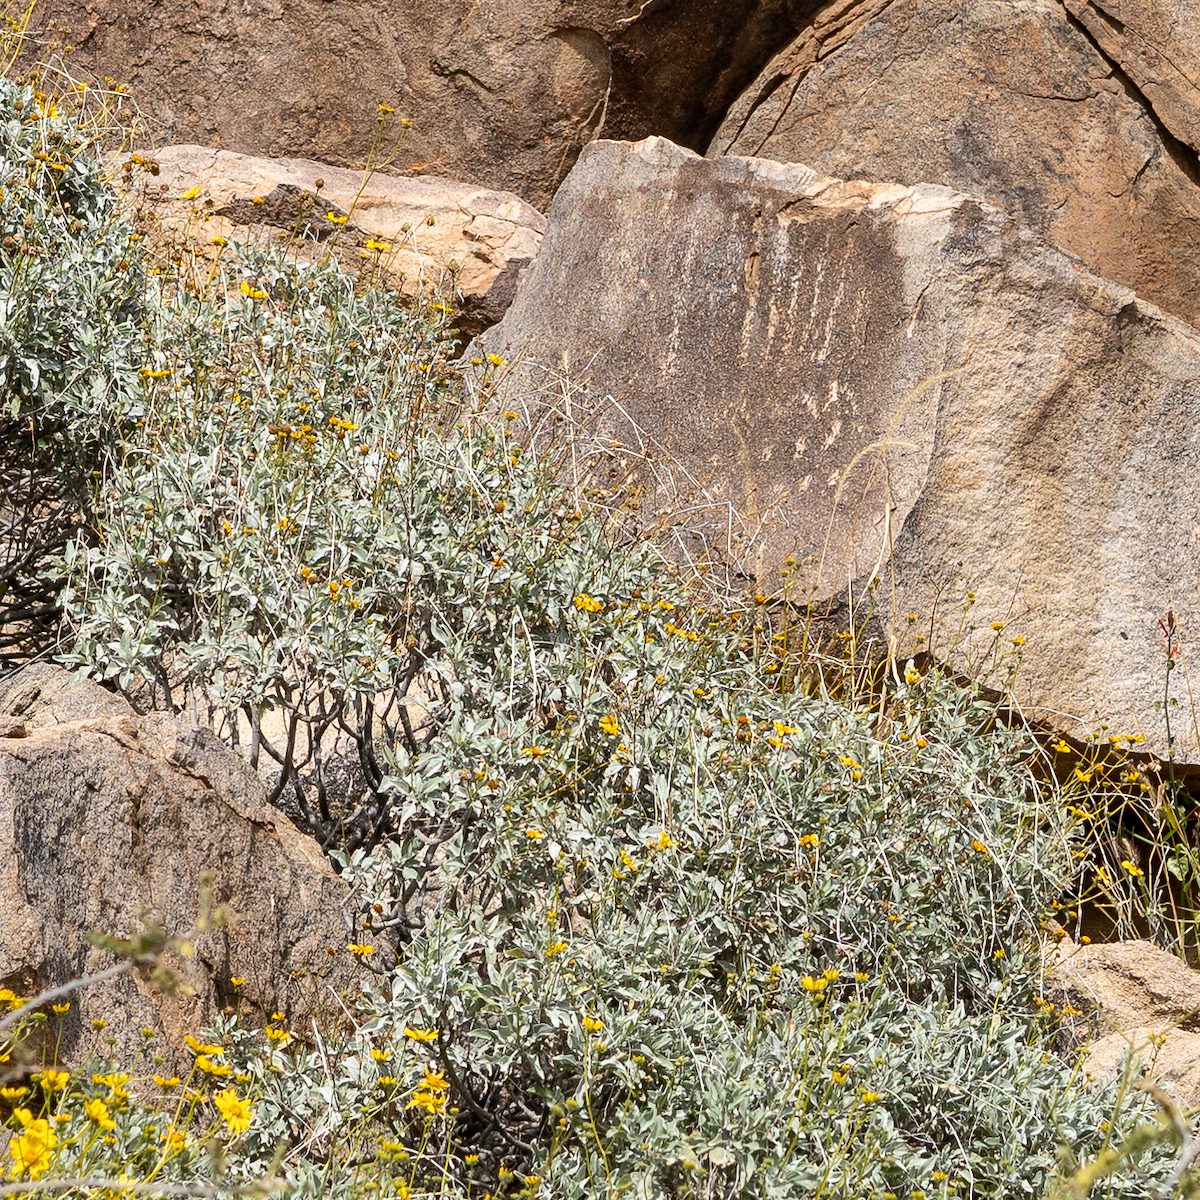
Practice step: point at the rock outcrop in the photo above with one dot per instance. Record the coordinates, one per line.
(887, 383)
(502, 93)
(1078, 117)
(423, 232)
(1154, 46)
(107, 818)
(1143, 1002)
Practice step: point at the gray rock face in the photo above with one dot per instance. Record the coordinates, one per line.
(893, 384)
(502, 93)
(106, 816)
(1080, 126)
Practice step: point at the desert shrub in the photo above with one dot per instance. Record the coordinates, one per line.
(680, 928)
(278, 546)
(639, 916)
(71, 306)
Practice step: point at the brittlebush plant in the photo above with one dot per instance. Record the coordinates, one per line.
(636, 917)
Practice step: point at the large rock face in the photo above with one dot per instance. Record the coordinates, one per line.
(500, 92)
(887, 383)
(1080, 118)
(106, 816)
(422, 232)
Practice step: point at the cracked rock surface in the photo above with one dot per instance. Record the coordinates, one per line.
(889, 381)
(106, 815)
(1078, 117)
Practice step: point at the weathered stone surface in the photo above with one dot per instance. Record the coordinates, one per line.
(434, 229)
(1023, 104)
(106, 816)
(888, 383)
(1154, 45)
(501, 92)
(1144, 1002)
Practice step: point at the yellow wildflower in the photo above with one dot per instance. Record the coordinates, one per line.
(198, 1047)
(608, 724)
(432, 1102)
(416, 1034)
(97, 1112)
(33, 1148)
(236, 1111)
(360, 949)
(435, 1081)
(53, 1081)
(175, 1140)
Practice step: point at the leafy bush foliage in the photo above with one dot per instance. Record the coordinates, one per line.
(71, 306)
(640, 916)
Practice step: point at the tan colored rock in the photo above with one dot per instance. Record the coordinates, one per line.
(889, 384)
(1144, 1002)
(424, 233)
(1020, 103)
(1154, 45)
(106, 817)
(500, 92)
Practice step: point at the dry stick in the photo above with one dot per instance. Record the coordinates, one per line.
(64, 990)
